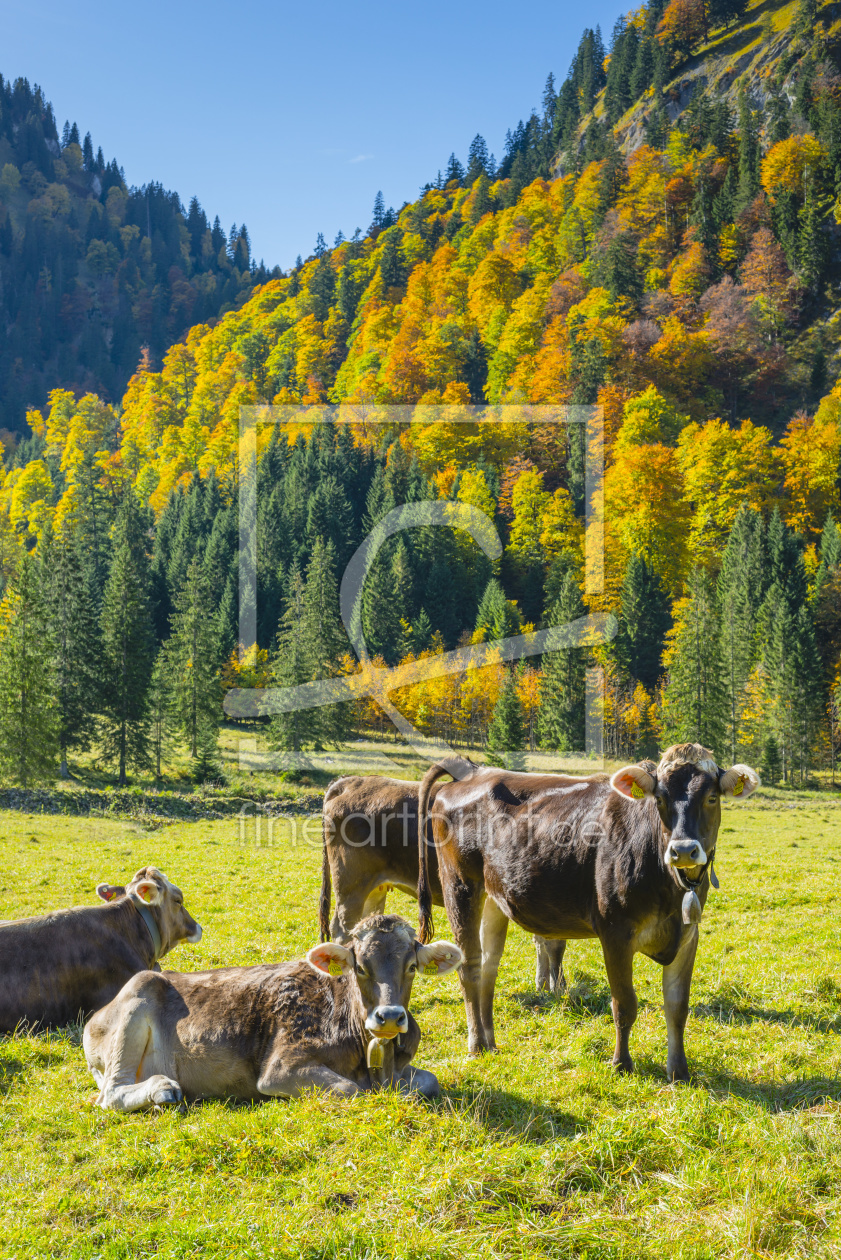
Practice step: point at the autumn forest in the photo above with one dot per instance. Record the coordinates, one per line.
(659, 242)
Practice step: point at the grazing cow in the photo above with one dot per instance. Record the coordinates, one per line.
(61, 966)
(627, 860)
(336, 1020)
(370, 827)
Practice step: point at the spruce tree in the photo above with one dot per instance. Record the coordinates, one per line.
(29, 714)
(506, 740)
(292, 731)
(645, 620)
(740, 590)
(694, 698)
(749, 151)
(813, 245)
(127, 643)
(561, 719)
(71, 599)
(162, 717)
(193, 653)
(325, 643)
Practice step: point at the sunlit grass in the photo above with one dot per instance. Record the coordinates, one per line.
(537, 1151)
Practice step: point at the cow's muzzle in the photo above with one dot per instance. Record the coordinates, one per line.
(195, 935)
(683, 853)
(388, 1021)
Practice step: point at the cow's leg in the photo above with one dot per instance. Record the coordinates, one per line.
(677, 978)
(350, 908)
(131, 1073)
(492, 933)
(278, 1081)
(375, 901)
(464, 904)
(549, 977)
(619, 962)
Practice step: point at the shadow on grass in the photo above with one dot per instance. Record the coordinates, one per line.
(587, 997)
(804, 1094)
(733, 1004)
(499, 1111)
(10, 1070)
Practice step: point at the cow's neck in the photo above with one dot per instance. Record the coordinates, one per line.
(146, 941)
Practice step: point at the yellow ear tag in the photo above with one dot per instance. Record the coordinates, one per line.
(146, 895)
(739, 788)
(636, 791)
(334, 968)
(431, 969)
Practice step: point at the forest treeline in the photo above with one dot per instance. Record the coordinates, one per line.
(91, 270)
(682, 285)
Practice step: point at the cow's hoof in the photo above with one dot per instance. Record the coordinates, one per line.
(623, 1067)
(167, 1095)
(678, 1075)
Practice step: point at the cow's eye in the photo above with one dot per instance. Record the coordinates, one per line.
(360, 970)
(412, 968)
(713, 799)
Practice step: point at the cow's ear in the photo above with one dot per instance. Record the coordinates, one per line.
(739, 781)
(331, 958)
(147, 890)
(438, 958)
(634, 782)
(109, 892)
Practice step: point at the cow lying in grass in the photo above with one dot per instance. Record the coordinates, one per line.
(370, 827)
(336, 1020)
(62, 966)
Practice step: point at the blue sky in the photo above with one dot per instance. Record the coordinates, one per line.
(291, 118)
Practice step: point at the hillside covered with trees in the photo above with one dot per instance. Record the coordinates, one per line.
(92, 270)
(660, 241)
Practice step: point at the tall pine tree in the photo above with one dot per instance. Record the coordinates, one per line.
(561, 719)
(193, 652)
(694, 698)
(29, 715)
(127, 643)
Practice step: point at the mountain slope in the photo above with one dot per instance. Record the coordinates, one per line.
(90, 269)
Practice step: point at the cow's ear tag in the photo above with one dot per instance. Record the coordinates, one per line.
(334, 968)
(739, 788)
(636, 791)
(431, 969)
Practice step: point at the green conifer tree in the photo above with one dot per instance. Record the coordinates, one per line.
(813, 244)
(740, 590)
(193, 654)
(127, 643)
(694, 698)
(163, 723)
(506, 740)
(325, 644)
(29, 714)
(292, 665)
(72, 604)
(561, 718)
(749, 151)
(645, 620)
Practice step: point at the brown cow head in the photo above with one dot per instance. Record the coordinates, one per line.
(384, 956)
(165, 902)
(687, 787)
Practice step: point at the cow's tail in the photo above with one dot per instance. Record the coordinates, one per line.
(326, 886)
(457, 768)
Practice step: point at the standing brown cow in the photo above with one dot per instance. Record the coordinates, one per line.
(370, 830)
(627, 860)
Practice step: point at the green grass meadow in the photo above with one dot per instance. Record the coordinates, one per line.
(537, 1151)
